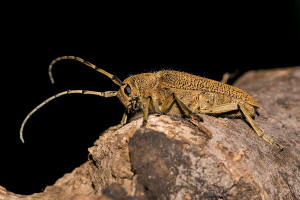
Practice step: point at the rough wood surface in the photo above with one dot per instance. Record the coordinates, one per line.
(175, 158)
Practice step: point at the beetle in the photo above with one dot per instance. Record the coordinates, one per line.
(171, 92)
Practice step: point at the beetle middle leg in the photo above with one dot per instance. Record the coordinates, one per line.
(165, 108)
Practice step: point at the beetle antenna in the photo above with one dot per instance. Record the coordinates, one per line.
(102, 94)
(114, 78)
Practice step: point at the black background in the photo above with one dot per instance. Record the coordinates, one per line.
(206, 40)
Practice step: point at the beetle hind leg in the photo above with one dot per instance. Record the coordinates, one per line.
(248, 112)
(258, 130)
(220, 109)
(167, 105)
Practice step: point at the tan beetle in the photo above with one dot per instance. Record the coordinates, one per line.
(171, 92)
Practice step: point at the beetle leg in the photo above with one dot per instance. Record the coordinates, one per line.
(258, 130)
(184, 109)
(196, 104)
(224, 108)
(227, 76)
(167, 104)
(122, 123)
(124, 119)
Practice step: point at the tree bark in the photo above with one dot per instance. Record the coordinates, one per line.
(176, 158)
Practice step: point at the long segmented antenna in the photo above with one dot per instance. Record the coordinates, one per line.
(102, 94)
(114, 78)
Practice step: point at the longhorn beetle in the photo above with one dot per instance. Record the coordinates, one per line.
(171, 92)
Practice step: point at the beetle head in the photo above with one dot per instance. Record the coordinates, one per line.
(129, 95)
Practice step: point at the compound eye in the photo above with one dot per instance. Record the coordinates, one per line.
(127, 90)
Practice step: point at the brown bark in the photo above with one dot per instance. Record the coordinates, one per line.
(175, 158)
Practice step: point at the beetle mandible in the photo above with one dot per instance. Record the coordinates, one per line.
(171, 92)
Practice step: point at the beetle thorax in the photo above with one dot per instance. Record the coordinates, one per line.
(134, 89)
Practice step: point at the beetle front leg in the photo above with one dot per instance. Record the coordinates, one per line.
(124, 119)
(122, 123)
